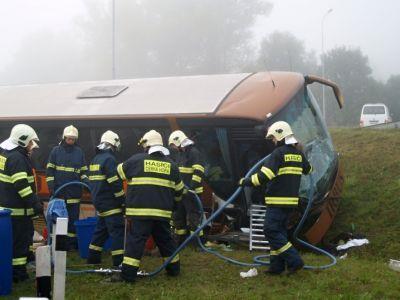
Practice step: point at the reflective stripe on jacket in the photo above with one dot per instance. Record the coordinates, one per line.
(154, 185)
(66, 163)
(282, 172)
(106, 187)
(17, 184)
(191, 167)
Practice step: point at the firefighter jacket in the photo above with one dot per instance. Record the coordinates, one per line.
(154, 185)
(66, 163)
(106, 187)
(17, 183)
(282, 172)
(191, 167)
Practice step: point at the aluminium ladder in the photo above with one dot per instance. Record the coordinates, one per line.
(257, 239)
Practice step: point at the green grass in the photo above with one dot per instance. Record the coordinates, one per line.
(370, 205)
(206, 277)
(371, 196)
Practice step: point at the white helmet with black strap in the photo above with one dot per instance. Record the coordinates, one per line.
(70, 132)
(21, 135)
(111, 138)
(153, 142)
(281, 130)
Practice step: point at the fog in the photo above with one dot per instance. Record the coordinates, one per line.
(71, 40)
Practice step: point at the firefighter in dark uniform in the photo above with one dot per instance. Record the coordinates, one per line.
(154, 187)
(32, 181)
(191, 166)
(18, 193)
(109, 200)
(282, 172)
(67, 163)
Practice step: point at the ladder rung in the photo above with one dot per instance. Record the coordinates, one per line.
(262, 210)
(258, 235)
(256, 205)
(257, 230)
(259, 225)
(259, 241)
(259, 247)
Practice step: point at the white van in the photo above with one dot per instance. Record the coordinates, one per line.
(373, 114)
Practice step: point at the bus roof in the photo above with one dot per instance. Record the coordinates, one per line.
(246, 95)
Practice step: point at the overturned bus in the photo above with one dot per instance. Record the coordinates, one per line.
(226, 115)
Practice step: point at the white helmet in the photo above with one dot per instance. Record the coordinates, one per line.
(176, 138)
(70, 131)
(151, 138)
(22, 134)
(112, 138)
(279, 130)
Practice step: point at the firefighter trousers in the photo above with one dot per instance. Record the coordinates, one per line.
(21, 241)
(283, 254)
(110, 226)
(186, 218)
(73, 215)
(138, 231)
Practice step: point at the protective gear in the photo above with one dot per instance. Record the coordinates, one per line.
(109, 226)
(283, 253)
(281, 173)
(138, 231)
(67, 163)
(109, 199)
(245, 182)
(70, 131)
(176, 138)
(22, 134)
(112, 138)
(187, 215)
(279, 130)
(154, 186)
(151, 138)
(18, 193)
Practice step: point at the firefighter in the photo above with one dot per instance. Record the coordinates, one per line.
(18, 192)
(31, 255)
(282, 172)
(191, 166)
(67, 163)
(108, 198)
(154, 187)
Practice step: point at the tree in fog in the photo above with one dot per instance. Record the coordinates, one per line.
(392, 96)
(284, 52)
(177, 37)
(350, 69)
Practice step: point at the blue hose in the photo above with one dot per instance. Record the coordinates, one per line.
(258, 260)
(68, 184)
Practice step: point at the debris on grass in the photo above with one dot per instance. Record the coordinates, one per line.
(250, 273)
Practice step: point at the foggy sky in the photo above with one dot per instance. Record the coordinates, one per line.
(371, 25)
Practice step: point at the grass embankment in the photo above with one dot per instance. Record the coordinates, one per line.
(371, 196)
(370, 202)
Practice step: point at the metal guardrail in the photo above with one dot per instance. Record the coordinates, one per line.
(390, 125)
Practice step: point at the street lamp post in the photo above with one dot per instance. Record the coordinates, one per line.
(323, 60)
(113, 39)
